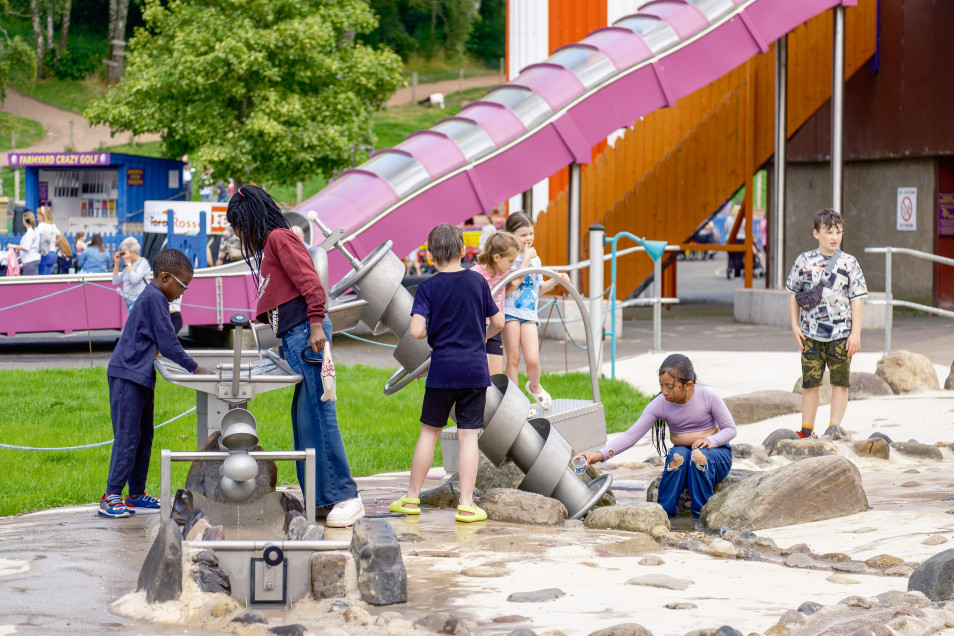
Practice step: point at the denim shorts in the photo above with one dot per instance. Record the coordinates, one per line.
(522, 321)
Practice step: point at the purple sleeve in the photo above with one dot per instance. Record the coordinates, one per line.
(422, 301)
(723, 419)
(634, 433)
(166, 340)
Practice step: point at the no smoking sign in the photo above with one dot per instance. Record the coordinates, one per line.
(907, 207)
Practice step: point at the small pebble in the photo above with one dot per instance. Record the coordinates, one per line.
(935, 539)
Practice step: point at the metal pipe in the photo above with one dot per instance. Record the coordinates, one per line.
(781, 137)
(287, 546)
(838, 112)
(657, 306)
(888, 309)
(310, 484)
(165, 491)
(573, 234)
(237, 360)
(597, 236)
(213, 456)
(339, 245)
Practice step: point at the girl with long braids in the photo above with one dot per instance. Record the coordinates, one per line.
(700, 429)
(292, 300)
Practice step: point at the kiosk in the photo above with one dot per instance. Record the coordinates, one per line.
(97, 192)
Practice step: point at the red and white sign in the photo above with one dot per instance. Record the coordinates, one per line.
(186, 216)
(907, 209)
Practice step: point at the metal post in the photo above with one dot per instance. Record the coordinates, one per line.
(657, 305)
(165, 478)
(414, 87)
(613, 241)
(888, 308)
(310, 466)
(597, 236)
(573, 226)
(298, 188)
(838, 112)
(781, 136)
(16, 184)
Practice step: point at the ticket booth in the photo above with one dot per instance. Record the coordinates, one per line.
(97, 192)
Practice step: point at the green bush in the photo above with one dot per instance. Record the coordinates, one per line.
(69, 66)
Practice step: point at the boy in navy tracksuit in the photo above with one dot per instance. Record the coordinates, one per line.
(132, 381)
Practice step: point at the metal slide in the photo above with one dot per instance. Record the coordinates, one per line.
(551, 115)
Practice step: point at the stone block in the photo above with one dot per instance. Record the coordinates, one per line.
(328, 575)
(382, 579)
(161, 573)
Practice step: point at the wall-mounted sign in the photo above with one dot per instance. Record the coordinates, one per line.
(186, 216)
(907, 209)
(58, 158)
(135, 176)
(945, 214)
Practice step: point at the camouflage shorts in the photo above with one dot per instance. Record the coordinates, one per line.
(817, 355)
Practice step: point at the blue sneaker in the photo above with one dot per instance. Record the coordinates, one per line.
(142, 500)
(112, 506)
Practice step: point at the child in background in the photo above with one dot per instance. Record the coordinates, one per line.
(132, 382)
(520, 330)
(493, 263)
(64, 255)
(79, 243)
(449, 310)
(830, 332)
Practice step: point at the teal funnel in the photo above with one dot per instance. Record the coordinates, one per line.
(655, 249)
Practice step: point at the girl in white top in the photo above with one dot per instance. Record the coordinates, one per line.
(47, 232)
(520, 329)
(30, 245)
(135, 274)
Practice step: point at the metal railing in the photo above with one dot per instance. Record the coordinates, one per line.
(889, 301)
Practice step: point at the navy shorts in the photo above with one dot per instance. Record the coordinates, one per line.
(469, 410)
(495, 346)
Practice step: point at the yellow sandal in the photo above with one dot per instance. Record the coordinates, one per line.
(476, 514)
(399, 507)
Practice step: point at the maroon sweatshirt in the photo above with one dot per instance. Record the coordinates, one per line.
(287, 273)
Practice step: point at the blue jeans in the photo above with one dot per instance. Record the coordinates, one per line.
(315, 423)
(46, 263)
(699, 483)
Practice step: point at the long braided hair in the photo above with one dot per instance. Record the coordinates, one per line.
(681, 369)
(253, 214)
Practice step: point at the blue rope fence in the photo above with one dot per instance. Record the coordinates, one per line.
(85, 446)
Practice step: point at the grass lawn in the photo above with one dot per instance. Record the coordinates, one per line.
(28, 131)
(70, 407)
(438, 69)
(71, 95)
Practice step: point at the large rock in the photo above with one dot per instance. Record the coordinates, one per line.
(204, 477)
(636, 517)
(949, 382)
(161, 573)
(770, 443)
(382, 579)
(922, 451)
(906, 372)
(875, 447)
(518, 506)
(810, 490)
(685, 501)
(865, 385)
(935, 577)
(762, 405)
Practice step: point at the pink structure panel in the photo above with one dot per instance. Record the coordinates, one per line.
(351, 199)
(555, 84)
(775, 18)
(685, 19)
(436, 152)
(501, 123)
(623, 47)
(713, 55)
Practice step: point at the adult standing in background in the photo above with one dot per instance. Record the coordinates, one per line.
(47, 232)
(134, 274)
(94, 259)
(29, 244)
(186, 178)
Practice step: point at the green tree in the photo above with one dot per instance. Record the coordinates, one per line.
(17, 61)
(271, 91)
(488, 39)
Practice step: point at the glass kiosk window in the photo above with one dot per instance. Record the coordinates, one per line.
(76, 195)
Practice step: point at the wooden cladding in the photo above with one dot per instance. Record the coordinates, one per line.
(677, 165)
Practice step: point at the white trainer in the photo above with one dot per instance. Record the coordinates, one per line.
(345, 513)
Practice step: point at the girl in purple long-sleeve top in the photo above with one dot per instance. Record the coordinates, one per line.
(700, 428)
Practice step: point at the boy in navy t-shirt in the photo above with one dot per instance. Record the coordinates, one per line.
(450, 310)
(132, 382)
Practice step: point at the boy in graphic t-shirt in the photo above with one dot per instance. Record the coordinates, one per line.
(830, 332)
(450, 310)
